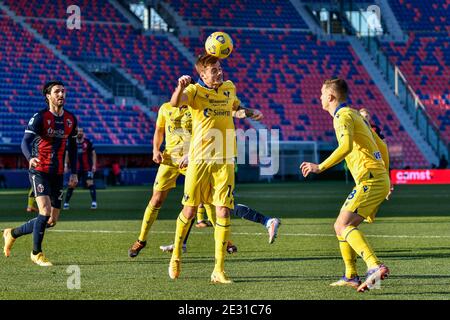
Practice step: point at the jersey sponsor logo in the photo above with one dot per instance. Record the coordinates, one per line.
(216, 113)
(56, 133)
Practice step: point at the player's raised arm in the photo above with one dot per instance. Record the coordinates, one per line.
(178, 95)
(242, 112)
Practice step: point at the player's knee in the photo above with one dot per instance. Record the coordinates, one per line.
(189, 212)
(339, 228)
(156, 201)
(158, 198)
(45, 209)
(89, 183)
(222, 212)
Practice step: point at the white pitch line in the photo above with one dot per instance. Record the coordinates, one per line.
(259, 234)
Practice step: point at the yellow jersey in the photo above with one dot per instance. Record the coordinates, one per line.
(177, 123)
(213, 131)
(354, 134)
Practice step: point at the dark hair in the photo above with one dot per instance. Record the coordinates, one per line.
(203, 61)
(339, 86)
(48, 87)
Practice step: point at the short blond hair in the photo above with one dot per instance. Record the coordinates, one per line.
(338, 86)
(204, 60)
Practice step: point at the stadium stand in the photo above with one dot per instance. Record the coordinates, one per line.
(244, 14)
(25, 64)
(278, 71)
(423, 59)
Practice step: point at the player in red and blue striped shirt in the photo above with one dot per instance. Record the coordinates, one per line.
(46, 137)
(87, 165)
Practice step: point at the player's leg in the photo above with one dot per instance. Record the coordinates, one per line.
(44, 205)
(11, 234)
(210, 213)
(31, 204)
(201, 218)
(350, 277)
(70, 190)
(362, 204)
(351, 242)
(92, 190)
(165, 180)
(223, 200)
(247, 213)
(150, 215)
(184, 222)
(49, 208)
(195, 187)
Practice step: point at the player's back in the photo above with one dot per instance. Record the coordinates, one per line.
(365, 158)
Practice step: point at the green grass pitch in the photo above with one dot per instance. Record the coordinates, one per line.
(411, 235)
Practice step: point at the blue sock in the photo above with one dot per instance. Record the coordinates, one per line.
(249, 214)
(68, 195)
(93, 193)
(38, 233)
(189, 231)
(26, 228)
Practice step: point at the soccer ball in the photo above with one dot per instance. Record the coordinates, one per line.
(219, 44)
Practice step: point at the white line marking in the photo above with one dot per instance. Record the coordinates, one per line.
(260, 233)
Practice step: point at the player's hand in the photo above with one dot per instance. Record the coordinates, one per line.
(54, 217)
(184, 162)
(73, 181)
(184, 81)
(308, 167)
(257, 115)
(34, 162)
(391, 189)
(157, 156)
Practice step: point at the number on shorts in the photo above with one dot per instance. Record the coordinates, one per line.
(351, 195)
(61, 193)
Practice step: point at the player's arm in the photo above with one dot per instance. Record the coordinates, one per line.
(242, 112)
(178, 95)
(72, 151)
(94, 161)
(158, 139)
(34, 128)
(382, 146)
(66, 162)
(344, 133)
(26, 148)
